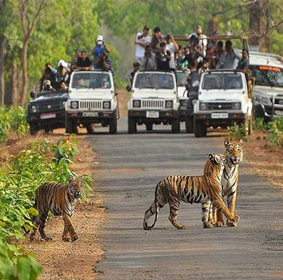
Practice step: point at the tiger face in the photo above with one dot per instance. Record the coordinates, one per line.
(217, 159)
(234, 151)
(76, 188)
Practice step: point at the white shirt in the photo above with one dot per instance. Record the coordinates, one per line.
(139, 48)
(171, 48)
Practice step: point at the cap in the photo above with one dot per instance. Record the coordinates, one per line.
(99, 38)
(47, 83)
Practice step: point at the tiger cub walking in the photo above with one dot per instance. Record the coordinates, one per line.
(229, 182)
(191, 189)
(60, 200)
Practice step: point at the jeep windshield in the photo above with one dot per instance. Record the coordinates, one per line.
(51, 94)
(182, 79)
(267, 75)
(224, 81)
(91, 81)
(154, 81)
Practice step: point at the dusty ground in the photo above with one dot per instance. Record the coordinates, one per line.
(263, 161)
(61, 260)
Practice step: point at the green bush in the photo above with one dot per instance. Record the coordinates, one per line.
(260, 124)
(274, 137)
(12, 119)
(237, 132)
(41, 163)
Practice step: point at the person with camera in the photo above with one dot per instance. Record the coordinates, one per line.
(172, 47)
(99, 47)
(163, 58)
(148, 62)
(50, 74)
(103, 62)
(142, 41)
(47, 86)
(84, 62)
(156, 40)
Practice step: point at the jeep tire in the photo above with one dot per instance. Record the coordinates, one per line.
(113, 124)
(132, 125)
(149, 126)
(71, 126)
(175, 126)
(33, 128)
(200, 128)
(189, 120)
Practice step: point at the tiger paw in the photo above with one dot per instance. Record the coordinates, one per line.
(45, 238)
(207, 225)
(219, 224)
(74, 238)
(181, 227)
(231, 223)
(66, 239)
(236, 218)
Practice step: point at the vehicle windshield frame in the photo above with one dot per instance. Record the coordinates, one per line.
(154, 80)
(265, 80)
(223, 81)
(91, 80)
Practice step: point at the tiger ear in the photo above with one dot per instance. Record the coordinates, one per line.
(226, 142)
(211, 157)
(241, 142)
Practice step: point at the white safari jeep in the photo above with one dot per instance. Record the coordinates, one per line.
(154, 100)
(268, 89)
(224, 99)
(91, 99)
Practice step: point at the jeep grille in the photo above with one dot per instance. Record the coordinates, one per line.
(50, 106)
(90, 105)
(220, 106)
(153, 103)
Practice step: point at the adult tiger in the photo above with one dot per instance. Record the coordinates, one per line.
(60, 200)
(229, 182)
(192, 189)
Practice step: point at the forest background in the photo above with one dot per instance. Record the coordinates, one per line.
(34, 32)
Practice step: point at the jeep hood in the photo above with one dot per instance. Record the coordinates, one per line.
(153, 94)
(90, 94)
(220, 95)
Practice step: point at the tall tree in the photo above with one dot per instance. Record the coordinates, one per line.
(30, 12)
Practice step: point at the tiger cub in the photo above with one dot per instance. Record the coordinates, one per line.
(60, 200)
(229, 181)
(192, 189)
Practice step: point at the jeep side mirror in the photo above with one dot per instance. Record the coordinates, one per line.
(188, 94)
(32, 94)
(128, 88)
(116, 93)
(188, 87)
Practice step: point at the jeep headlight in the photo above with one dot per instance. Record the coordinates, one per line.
(106, 104)
(263, 100)
(74, 104)
(169, 104)
(136, 103)
(203, 106)
(33, 108)
(237, 105)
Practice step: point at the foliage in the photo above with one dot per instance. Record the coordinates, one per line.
(237, 132)
(12, 119)
(42, 162)
(259, 124)
(274, 137)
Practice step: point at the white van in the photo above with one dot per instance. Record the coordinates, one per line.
(154, 100)
(91, 99)
(268, 89)
(223, 100)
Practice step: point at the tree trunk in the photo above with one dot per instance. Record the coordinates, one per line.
(2, 63)
(259, 23)
(14, 85)
(24, 72)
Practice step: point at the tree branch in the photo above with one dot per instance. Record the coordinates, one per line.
(260, 35)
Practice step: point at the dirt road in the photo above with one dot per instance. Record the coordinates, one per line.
(131, 165)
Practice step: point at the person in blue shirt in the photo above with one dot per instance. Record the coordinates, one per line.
(99, 47)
